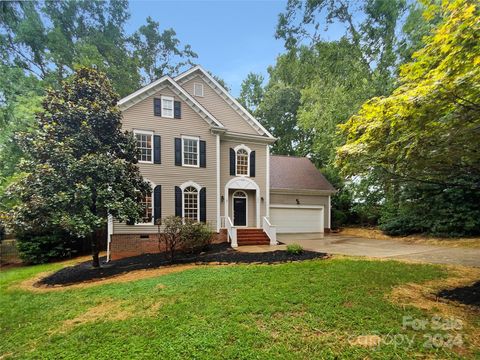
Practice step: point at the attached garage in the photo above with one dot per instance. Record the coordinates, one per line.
(297, 219)
(300, 196)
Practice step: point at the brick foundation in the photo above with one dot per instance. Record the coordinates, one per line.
(126, 245)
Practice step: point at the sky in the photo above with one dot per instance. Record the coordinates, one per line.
(231, 38)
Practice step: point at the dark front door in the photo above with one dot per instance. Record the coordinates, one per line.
(239, 212)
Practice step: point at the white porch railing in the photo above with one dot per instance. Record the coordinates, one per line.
(270, 230)
(232, 231)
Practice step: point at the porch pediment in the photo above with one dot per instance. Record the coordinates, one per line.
(242, 183)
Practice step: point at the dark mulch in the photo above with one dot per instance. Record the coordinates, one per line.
(222, 253)
(469, 295)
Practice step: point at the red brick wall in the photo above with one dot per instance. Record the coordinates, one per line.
(125, 245)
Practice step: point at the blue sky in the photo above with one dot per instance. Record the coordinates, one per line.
(231, 38)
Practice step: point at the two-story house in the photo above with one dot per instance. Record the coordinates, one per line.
(207, 158)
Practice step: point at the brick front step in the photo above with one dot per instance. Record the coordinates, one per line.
(252, 237)
(251, 243)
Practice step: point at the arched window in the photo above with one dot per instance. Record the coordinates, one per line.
(242, 162)
(239, 194)
(190, 203)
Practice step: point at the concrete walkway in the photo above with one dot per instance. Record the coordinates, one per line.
(385, 249)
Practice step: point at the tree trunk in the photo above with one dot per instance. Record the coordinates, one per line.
(95, 251)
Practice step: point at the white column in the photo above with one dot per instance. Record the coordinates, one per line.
(258, 208)
(218, 182)
(267, 185)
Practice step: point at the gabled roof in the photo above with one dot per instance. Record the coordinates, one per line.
(296, 173)
(229, 99)
(161, 83)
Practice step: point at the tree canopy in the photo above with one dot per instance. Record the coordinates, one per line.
(80, 166)
(50, 39)
(423, 138)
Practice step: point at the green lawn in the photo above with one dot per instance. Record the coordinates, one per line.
(297, 310)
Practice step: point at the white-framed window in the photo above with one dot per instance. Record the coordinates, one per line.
(147, 204)
(198, 89)
(190, 203)
(144, 145)
(167, 106)
(190, 151)
(242, 159)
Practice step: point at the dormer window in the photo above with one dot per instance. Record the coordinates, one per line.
(198, 89)
(167, 106)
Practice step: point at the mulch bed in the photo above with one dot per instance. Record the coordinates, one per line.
(469, 295)
(218, 253)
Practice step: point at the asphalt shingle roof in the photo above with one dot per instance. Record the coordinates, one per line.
(290, 172)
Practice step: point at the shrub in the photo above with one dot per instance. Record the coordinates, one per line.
(185, 234)
(294, 249)
(172, 235)
(195, 236)
(39, 249)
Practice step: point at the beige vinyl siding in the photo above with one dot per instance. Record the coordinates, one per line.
(260, 178)
(291, 199)
(219, 108)
(166, 174)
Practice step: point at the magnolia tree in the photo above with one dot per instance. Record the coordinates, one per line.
(80, 166)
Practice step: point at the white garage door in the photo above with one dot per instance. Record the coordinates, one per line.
(298, 219)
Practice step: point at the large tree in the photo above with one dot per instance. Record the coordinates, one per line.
(80, 165)
(370, 26)
(49, 39)
(251, 91)
(424, 137)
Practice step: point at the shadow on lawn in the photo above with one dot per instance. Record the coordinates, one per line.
(468, 295)
(218, 253)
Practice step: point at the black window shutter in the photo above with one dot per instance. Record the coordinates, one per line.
(178, 201)
(177, 109)
(203, 205)
(232, 162)
(157, 107)
(157, 149)
(252, 164)
(157, 203)
(178, 152)
(203, 154)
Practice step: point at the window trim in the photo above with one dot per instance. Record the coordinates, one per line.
(145, 132)
(168, 98)
(186, 137)
(201, 87)
(198, 188)
(248, 150)
(152, 222)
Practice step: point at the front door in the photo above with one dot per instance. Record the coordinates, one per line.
(239, 211)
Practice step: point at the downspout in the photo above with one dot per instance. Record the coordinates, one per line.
(109, 235)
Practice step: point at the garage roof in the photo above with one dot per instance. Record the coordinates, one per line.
(298, 173)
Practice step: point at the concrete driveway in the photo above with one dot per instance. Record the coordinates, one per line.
(385, 249)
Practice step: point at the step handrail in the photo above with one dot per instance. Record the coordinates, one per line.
(270, 230)
(232, 232)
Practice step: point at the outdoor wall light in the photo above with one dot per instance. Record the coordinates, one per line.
(222, 198)
(298, 201)
(261, 198)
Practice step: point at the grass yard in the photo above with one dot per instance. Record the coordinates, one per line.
(304, 310)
